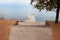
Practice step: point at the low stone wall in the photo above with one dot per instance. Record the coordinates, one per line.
(55, 30)
(4, 32)
(5, 26)
(9, 22)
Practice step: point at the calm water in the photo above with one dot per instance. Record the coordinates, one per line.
(19, 12)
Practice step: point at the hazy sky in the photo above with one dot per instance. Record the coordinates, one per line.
(15, 1)
(19, 8)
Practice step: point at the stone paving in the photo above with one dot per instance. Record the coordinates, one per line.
(30, 33)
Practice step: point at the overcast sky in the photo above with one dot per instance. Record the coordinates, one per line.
(14, 1)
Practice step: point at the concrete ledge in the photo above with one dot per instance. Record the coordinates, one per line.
(31, 23)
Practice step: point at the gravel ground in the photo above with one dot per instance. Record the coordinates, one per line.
(30, 33)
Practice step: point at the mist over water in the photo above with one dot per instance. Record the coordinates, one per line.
(19, 12)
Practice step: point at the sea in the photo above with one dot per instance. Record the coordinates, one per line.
(19, 12)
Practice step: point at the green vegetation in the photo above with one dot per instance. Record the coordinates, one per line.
(49, 5)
